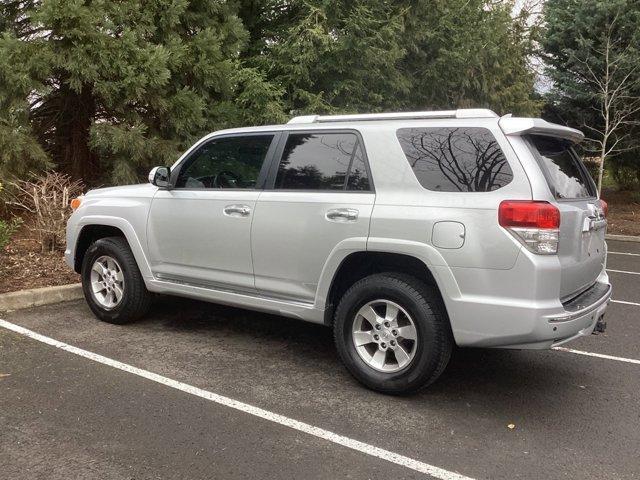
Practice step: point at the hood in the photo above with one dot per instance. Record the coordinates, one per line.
(139, 190)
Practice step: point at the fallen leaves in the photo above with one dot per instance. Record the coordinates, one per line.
(23, 265)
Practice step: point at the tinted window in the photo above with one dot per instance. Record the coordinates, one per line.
(562, 166)
(455, 159)
(231, 162)
(322, 161)
(358, 177)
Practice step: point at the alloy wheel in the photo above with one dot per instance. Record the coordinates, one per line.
(385, 336)
(107, 282)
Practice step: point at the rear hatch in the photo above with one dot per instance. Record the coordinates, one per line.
(582, 249)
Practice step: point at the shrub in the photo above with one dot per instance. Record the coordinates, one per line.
(625, 170)
(7, 229)
(47, 198)
(626, 177)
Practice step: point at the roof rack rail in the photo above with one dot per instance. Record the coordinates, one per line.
(460, 113)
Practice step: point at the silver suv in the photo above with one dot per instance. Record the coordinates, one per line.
(408, 233)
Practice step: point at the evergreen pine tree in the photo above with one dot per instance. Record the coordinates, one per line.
(117, 86)
(105, 89)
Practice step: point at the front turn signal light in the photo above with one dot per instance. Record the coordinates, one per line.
(76, 202)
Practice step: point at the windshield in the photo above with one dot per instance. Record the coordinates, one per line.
(566, 175)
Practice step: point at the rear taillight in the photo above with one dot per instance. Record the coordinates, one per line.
(535, 224)
(605, 207)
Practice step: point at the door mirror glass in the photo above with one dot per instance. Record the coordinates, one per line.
(159, 176)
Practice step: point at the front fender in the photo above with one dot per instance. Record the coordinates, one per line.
(77, 223)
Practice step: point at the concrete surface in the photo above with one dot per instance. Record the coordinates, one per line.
(36, 297)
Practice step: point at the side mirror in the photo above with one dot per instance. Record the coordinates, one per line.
(159, 176)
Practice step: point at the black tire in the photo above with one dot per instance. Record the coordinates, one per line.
(434, 338)
(136, 299)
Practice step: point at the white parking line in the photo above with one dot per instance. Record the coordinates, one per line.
(624, 253)
(598, 355)
(626, 303)
(622, 271)
(356, 445)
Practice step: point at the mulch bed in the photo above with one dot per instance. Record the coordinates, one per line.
(23, 265)
(624, 213)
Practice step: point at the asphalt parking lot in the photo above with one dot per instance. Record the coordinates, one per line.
(176, 412)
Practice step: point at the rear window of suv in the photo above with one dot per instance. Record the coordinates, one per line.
(566, 175)
(465, 159)
(322, 161)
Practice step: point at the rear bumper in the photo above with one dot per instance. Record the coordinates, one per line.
(582, 314)
(515, 322)
(577, 318)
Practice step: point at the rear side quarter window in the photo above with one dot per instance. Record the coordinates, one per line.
(455, 159)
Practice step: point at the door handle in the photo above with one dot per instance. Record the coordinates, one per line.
(342, 215)
(237, 210)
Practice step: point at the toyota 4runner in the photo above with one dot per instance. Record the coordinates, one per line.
(407, 233)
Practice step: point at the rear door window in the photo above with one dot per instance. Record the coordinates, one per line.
(566, 175)
(464, 159)
(322, 161)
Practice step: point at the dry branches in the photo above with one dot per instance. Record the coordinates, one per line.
(46, 198)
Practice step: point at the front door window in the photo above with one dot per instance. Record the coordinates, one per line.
(228, 162)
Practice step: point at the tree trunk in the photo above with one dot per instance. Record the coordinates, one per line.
(71, 150)
(601, 171)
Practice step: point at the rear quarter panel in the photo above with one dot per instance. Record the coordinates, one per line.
(405, 210)
(404, 215)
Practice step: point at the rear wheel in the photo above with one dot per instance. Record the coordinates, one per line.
(112, 283)
(392, 333)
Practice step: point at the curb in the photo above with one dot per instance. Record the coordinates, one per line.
(622, 238)
(37, 297)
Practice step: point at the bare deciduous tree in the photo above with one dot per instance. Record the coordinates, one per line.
(613, 80)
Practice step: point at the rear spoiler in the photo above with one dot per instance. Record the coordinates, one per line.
(536, 126)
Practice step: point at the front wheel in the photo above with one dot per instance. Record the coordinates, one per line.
(392, 333)
(112, 283)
